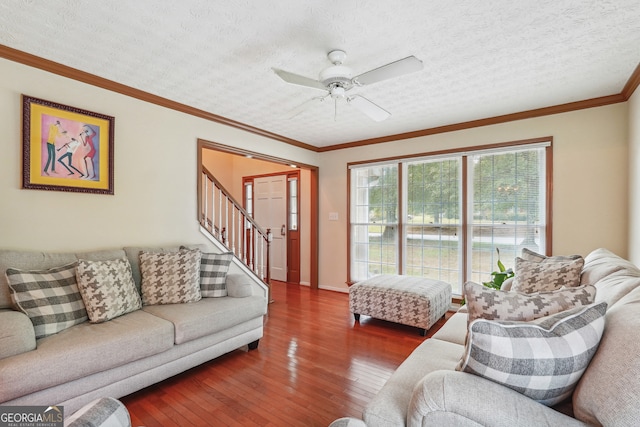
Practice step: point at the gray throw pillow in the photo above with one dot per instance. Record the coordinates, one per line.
(107, 289)
(213, 274)
(50, 298)
(171, 277)
(492, 304)
(546, 275)
(542, 359)
(530, 255)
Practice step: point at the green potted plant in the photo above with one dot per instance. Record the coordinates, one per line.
(498, 277)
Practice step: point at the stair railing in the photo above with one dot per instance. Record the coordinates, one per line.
(230, 224)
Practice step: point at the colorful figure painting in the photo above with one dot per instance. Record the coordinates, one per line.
(66, 149)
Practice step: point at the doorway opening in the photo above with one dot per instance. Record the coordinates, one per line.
(282, 195)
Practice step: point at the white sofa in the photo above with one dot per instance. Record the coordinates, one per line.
(125, 354)
(426, 390)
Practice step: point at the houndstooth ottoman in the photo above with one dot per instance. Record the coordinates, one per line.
(409, 300)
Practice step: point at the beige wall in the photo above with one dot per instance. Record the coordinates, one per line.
(155, 170)
(229, 169)
(634, 178)
(590, 208)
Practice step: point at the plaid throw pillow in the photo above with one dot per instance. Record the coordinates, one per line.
(50, 298)
(107, 289)
(491, 304)
(213, 274)
(543, 359)
(170, 277)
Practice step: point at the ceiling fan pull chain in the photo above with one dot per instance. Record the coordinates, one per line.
(335, 110)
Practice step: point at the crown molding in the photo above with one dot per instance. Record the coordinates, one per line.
(84, 77)
(75, 74)
(632, 83)
(546, 111)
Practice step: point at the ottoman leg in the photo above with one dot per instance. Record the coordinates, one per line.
(423, 332)
(356, 316)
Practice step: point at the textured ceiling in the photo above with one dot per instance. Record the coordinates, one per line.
(481, 58)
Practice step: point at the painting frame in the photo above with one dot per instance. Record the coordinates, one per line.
(79, 143)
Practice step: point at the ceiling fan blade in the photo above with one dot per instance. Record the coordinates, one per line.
(304, 106)
(394, 69)
(297, 79)
(369, 108)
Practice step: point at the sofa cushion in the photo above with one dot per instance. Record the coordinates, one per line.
(613, 277)
(542, 359)
(84, 350)
(602, 263)
(213, 274)
(208, 316)
(455, 329)
(16, 333)
(107, 289)
(608, 392)
(492, 304)
(546, 275)
(50, 298)
(170, 278)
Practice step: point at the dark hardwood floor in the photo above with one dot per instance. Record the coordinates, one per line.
(313, 365)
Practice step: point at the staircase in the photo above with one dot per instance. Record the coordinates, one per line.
(231, 227)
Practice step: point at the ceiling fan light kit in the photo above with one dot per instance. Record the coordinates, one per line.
(337, 80)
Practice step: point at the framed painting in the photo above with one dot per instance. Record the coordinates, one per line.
(66, 148)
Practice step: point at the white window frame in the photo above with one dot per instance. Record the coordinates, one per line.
(466, 204)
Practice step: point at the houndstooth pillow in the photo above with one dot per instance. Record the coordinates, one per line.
(50, 298)
(491, 304)
(213, 274)
(170, 277)
(546, 275)
(529, 255)
(543, 359)
(107, 289)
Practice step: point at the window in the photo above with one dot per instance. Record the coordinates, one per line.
(374, 221)
(293, 203)
(248, 200)
(433, 221)
(443, 216)
(507, 208)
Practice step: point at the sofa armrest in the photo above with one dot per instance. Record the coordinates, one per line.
(239, 286)
(459, 398)
(16, 333)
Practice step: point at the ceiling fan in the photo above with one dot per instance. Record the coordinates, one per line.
(337, 80)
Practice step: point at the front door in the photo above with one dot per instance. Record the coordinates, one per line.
(270, 211)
